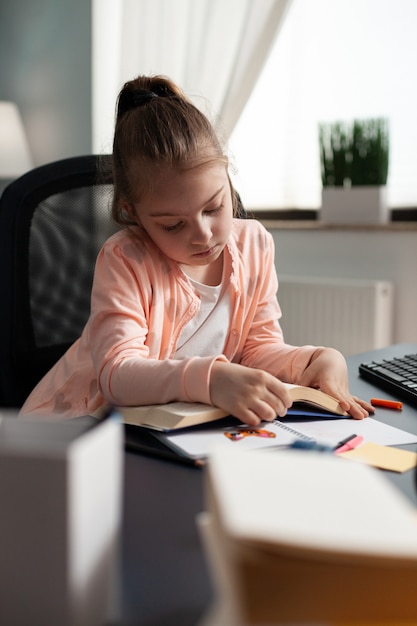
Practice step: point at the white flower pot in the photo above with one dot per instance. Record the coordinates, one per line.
(355, 205)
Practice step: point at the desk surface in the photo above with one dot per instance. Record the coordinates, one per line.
(165, 580)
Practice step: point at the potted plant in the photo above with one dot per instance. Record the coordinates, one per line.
(354, 169)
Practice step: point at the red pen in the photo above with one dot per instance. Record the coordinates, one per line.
(350, 444)
(387, 404)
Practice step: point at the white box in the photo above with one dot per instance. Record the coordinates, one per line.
(60, 499)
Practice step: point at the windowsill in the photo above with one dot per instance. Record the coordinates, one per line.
(308, 219)
(318, 225)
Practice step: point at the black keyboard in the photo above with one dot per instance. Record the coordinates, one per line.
(397, 376)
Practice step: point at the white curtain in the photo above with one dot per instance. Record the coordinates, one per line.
(214, 49)
(332, 61)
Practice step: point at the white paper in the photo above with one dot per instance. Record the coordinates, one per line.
(199, 443)
(331, 431)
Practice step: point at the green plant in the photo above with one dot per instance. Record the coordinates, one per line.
(354, 153)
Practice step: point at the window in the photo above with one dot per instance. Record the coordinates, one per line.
(331, 61)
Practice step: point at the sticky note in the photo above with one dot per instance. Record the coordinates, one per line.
(383, 457)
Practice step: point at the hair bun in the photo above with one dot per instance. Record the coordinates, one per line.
(162, 90)
(133, 98)
(142, 96)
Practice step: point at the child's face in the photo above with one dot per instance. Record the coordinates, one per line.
(189, 215)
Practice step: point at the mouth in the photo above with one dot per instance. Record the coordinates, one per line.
(205, 253)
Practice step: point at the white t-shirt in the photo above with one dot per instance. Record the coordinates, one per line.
(205, 334)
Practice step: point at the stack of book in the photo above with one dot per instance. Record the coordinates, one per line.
(307, 538)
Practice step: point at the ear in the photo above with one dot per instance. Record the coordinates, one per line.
(129, 210)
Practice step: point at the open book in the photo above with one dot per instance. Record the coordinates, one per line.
(183, 414)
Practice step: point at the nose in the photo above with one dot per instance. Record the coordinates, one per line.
(201, 232)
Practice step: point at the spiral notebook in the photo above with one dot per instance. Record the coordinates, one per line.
(197, 443)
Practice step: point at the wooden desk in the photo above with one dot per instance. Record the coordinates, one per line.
(164, 579)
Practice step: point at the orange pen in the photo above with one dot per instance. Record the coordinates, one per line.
(387, 404)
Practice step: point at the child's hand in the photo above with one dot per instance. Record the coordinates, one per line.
(327, 370)
(249, 394)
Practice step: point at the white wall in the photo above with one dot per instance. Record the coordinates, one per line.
(367, 254)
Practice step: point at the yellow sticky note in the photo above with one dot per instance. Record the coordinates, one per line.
(383, 457)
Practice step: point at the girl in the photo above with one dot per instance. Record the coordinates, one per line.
(183, 304)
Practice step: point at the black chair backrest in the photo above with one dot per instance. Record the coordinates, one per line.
(53, 221)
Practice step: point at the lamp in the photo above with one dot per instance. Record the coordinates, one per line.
(15, 156)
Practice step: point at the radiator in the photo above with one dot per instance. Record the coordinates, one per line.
(348, 314)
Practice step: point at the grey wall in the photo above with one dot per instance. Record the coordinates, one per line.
(45, 67)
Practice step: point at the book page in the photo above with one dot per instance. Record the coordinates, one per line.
(170, 416)
(185, 409)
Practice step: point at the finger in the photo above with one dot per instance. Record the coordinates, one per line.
(279, 405)
(357, 411)
(249, 417)
(357, 408)
(364, 404)
(279, 395)
(264, 411)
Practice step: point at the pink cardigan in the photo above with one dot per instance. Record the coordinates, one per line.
(140, 302)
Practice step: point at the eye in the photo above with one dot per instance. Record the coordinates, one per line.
(173, 228)
(214, 211)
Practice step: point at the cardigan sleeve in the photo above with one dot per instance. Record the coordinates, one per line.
(264, 345)
(125, 311)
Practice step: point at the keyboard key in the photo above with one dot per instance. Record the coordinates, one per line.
(392, 375)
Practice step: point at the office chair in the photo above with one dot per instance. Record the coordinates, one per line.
(53, 221)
